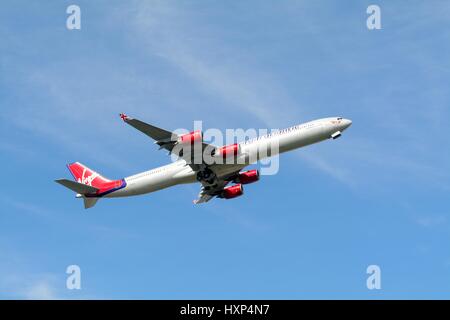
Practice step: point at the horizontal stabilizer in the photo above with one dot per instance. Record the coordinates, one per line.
(77, 187)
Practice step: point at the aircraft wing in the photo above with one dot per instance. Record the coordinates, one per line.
(168, 140)
(208, 191)
(153, 132)
(165, 139)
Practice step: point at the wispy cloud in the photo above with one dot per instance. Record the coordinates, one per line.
(16, 286)
(166, 30)
(41, 290)
(19, 282)
(100, 230)
(77, 108)
(431, 221)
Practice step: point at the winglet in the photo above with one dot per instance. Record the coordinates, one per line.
(124, 117)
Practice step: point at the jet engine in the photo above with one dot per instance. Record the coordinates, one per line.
(232, 191)
(191, 138)
(231, 150)
(247, 177)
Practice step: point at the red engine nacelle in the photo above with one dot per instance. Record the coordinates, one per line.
(228, 151)
(232, 191)
(247, 177)
(191, 138)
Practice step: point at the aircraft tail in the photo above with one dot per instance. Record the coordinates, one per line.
(89, 202)
(84, 175)
(77, 187)
(90, 185)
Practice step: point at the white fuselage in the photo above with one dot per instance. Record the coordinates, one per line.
(179, 172)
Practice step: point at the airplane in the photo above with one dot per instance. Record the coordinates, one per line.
(214, 176)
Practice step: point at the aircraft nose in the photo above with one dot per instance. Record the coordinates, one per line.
(346, 123)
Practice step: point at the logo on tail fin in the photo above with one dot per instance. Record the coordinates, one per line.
(87, 180)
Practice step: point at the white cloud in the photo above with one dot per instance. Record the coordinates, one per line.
(15, 283)
(41, 290)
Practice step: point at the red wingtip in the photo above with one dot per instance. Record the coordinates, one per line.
(124, 117)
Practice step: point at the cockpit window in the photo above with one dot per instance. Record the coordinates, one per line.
(339, 118)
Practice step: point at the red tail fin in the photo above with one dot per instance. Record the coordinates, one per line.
(84, 175)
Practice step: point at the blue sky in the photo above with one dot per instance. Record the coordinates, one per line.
(377, 196)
